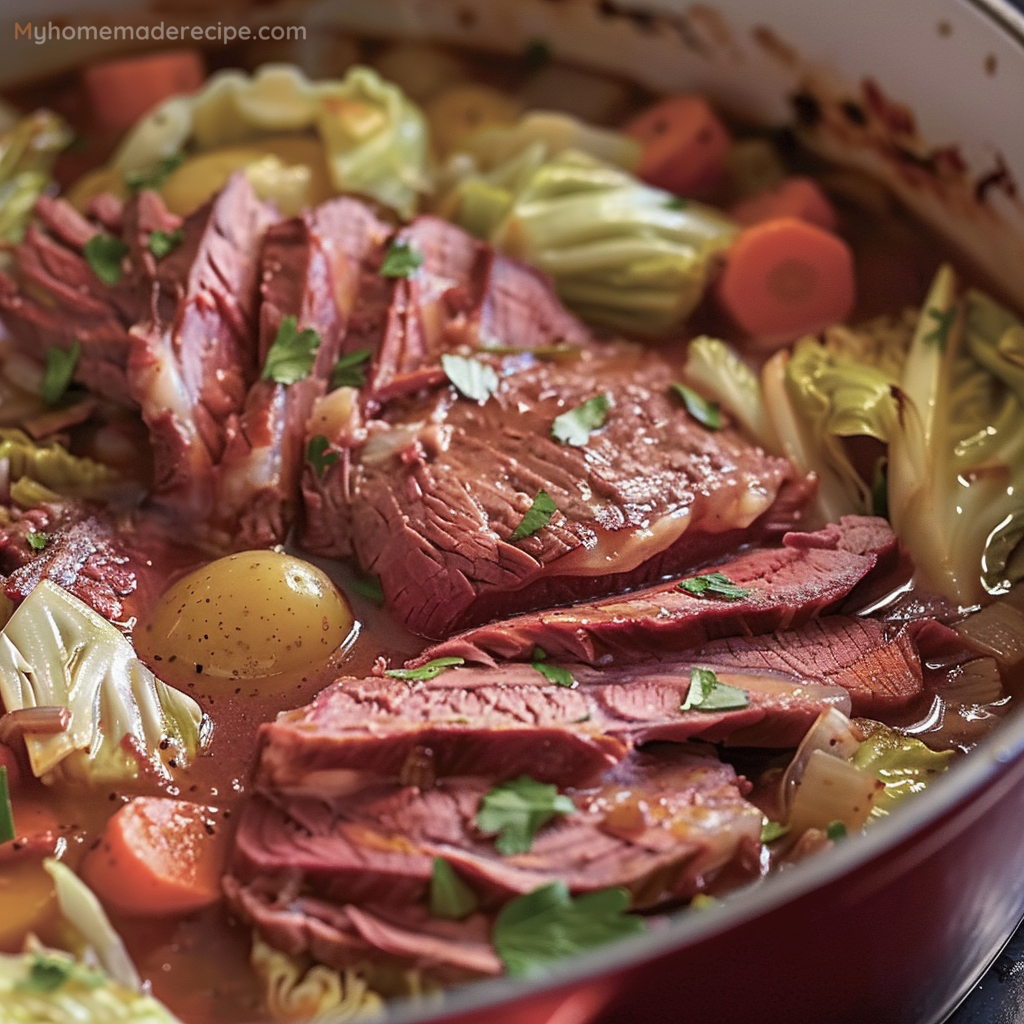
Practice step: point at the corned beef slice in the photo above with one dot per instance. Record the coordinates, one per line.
(509, 721)
(810, 575)
(439, 485)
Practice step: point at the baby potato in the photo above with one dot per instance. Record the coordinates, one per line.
(255, 615)
(462, 111)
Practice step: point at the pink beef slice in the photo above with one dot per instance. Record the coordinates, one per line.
(509, 721)
(312, 267)
(811, 574)
(430, 492)
(664, 827)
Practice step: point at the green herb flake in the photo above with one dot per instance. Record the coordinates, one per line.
(401, 260)
(293, 353)
(536, 55)
(714, 584)
(7, 829)
(706, 693)
(555, 673)
(575, 426)
(36, 540)
(675, 203)
(537, 516)
(772, 830)
(60, 368)
(163, 243)
(48, 974)
(450, 897)
(431, 670)
(548, 924)
(104, 254)
(706, 413)
(515, 811)
(368, 587)
(320, 455)
(939, 334)
(155, 176)
(350, 369)
(836, 830)
(472, 379)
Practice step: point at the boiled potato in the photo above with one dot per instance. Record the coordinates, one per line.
(255, 615)
(463, 110)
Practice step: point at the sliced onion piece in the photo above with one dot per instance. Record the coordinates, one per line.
(832, 734)
(832, 789)
(997, 630)
(976, 682)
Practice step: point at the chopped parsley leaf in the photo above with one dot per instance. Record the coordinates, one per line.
(772, 830)
(537, 516)
(675, 203)
(939, 334)
(450, 897)
(291, 357)
(7, 829)
(515, 811)
(163, 243)
(36, 540)
(706, 693)
(431, 670)
(472, 379)
(548, 924)
(320, 455)
(155, 176)
(368, 587)
(60, 368)
(401, 260)
(575, 426)
(714, 584)
(104, 254)
(706, 413)
(552, 673)
(49, 973)
(836, 830)
(350, 369)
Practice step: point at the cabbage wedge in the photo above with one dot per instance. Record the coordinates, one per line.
(56, 651)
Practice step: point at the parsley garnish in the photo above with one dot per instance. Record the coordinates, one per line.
(836, 830)
(714, 584)
(548, 924)
(706, 693)
(320, 455)
(675, 203)
(350, 369)
(706, 413)
(474, 380)
(155, 176)
(49, 973)
(36, 540)
(60, 368)
(104, 254)
(772, 830)
(293, 353)
(163, 243)
(401, 260)
(450, 897)
(575, 426)
(552, 673)
(516, 810)
(537, 516)
(7, 829)
(431, 670)
(368, 587)
(939, 334)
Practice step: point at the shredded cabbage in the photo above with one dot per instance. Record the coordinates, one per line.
(52, 465)
(27, 155)
(374, 137)
(56, 651)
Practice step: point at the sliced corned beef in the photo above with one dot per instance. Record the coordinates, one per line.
(436, 487)
(810, 575)
(509, 721)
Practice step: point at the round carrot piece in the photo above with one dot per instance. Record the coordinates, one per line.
(784, 278)
(122, 91)
(683, 146)
(797, 197)
(158, 856)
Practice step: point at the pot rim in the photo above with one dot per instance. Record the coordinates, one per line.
(968, 779)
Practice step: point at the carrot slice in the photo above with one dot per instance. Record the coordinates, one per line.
(158, 856)
(683, 146)
(797, 197)
(784, 278)
(121, 91)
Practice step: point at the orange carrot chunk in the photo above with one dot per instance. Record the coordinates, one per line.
(784, 278)
(158, 856)
(122, 91)
(684, 146)
(796, 197)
